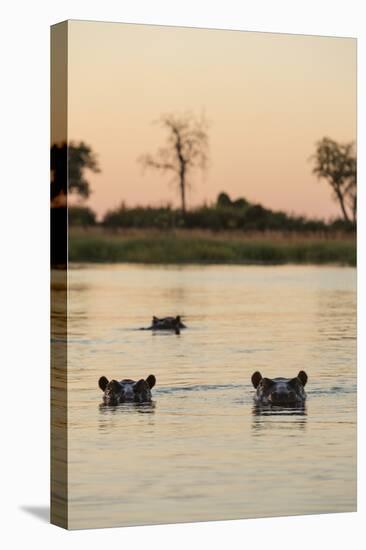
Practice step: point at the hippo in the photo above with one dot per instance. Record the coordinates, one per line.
(282, 392)
(126, 391)
(167, 323)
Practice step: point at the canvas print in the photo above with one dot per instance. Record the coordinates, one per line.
(203, 274)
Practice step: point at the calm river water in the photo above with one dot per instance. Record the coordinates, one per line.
(200, 451)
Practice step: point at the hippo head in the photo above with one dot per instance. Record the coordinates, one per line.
(283, 392)
(126, 390)
(168, 323)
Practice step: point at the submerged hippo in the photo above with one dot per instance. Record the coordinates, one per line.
(167, 323)
(126, 391)
(283, 392)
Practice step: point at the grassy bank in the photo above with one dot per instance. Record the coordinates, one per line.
(194, 246)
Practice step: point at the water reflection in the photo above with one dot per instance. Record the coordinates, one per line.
(266, 417)
(208, 453)
(273, 410)
(109, 415)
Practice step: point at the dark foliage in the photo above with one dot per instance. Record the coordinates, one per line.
(224, 215)
(81, 216)
(68, 163)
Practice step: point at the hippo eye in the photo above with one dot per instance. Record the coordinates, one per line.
(294, 383)
(267, 382)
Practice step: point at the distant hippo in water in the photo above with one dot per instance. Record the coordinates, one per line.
(126, 391)
(282, 392)
(167, 323)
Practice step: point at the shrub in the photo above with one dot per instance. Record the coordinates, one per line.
(81, 216)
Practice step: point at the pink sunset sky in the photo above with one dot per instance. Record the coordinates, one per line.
(269, 98)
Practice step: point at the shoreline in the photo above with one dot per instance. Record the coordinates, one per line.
(97, 245)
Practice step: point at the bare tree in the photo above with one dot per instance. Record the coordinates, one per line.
(337, 164)
(185, 150)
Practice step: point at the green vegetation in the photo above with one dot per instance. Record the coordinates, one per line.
(81, 216)
(236, 232)
(224, 215)
(227, 231)
(187, 246)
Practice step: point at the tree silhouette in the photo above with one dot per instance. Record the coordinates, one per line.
(337, 164)
(68, 163)
(185, 150)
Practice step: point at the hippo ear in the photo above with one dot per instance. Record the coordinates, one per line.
(303, 377)
(140, 386)
(103, 382)
(256, 378)
(151, 381)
